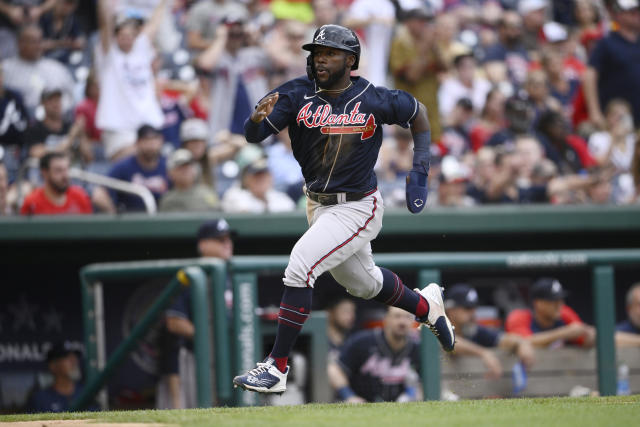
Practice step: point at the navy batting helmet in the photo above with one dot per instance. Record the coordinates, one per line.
(337, 37)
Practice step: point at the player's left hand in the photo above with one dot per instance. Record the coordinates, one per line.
(416, 191)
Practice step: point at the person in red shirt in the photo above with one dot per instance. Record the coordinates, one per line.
(550, 323)
(56, 196)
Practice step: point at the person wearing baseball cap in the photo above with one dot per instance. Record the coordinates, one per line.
(550, 323)
(176, 386)
(186, 194)
(147, 166)
(474, 339)
(62, 363)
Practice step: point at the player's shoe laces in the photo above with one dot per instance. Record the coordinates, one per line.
(264, 378)
(437, 320)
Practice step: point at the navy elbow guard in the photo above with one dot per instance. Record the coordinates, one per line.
(416, 187)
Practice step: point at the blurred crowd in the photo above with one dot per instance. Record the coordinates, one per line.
(530, 101)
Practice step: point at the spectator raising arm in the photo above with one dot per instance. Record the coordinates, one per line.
(106, 24)
(151, 26)
(209, 58)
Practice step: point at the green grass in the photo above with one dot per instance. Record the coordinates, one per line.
(565, 412)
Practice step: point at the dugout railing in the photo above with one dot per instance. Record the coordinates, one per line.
(245, 341)
(245, 270)
(206, 277)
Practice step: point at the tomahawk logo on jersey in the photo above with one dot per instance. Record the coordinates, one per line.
(337, 140)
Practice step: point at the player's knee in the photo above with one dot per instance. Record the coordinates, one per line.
(363, 290)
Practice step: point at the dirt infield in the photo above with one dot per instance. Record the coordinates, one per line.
(76, 423)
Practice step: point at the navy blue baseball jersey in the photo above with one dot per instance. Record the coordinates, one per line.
(336, 140)
(483, 336)
(375, 372)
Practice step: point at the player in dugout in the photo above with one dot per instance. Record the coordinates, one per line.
(551, 323)
(335, 122)
(474, 339)
(379, 365)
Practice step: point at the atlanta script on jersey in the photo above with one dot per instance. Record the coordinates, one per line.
(336, 140)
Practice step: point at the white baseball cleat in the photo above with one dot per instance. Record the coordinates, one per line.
(437, 320)
(264, 378)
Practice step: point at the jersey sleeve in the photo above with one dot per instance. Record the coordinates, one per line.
(487, 337)
(519, 322)
(282, 111)
(398, 107)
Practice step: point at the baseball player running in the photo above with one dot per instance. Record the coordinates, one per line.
(334, 122)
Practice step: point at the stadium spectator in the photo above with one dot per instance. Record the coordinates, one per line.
(61, 31)
(326, 12)
(127, 86)
(205, 17)
(464, 84)
(415, 60)
(378, 365)
(533, 14)
(589, 24)
(238, 76)
(341, 316)
(91, 147)
(536, 87)
(194, 134)
(14, 119)
(5, 206)
(186, 195)
(29, 73)
(628, 332)
(146, 167)
(509, 50)
(568, 151)
(514, 179)
(614, 64)
(13, 15)
(561, 86)
(63, 365)
(56, 196)
(455, 139)
(177, 385)
(394, 163)
(550, 323)
(614, 145)
(287, 176)
(375, 20)
(255, 192)
(54, 131)
(491, 119)
(519, 115)
(454, 179)
(199, 99)
(284, 47)
(474, 339)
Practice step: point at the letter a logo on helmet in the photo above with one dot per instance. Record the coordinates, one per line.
(320, 35)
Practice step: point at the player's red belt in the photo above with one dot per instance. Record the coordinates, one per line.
(328, 199)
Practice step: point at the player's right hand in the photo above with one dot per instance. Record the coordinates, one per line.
(264, 107)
